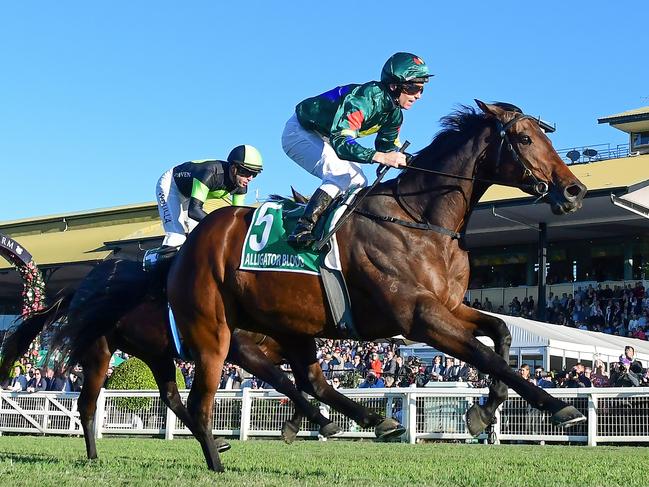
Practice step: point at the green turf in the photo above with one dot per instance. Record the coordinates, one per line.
(55, 461)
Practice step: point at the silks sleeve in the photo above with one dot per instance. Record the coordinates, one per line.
(238, 199)
(345, 130)
(387, 139)
(196, 200)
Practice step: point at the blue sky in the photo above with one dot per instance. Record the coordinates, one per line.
(100, 98)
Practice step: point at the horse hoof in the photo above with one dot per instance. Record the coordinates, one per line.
(289, 432)
(330, 429)
(567, 417)
(222, 446)
(388, 428)
(474, 422)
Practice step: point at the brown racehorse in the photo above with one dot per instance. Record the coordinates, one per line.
(119, 306)
(406, 270)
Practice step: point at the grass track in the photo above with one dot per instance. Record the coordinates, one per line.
(54, 461)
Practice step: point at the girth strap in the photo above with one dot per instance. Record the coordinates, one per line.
(420, 226)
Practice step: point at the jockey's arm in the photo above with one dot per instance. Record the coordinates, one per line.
(387, 138)
(238, 199)
(196, 200)
(346, 129)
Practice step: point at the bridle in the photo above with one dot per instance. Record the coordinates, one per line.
(540, 188)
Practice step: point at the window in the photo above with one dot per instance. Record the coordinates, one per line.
(533, 360)
(639, 139)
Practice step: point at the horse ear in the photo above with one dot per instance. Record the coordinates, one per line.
(492, 110)
(299, 198)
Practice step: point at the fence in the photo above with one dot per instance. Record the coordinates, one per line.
(617, 415)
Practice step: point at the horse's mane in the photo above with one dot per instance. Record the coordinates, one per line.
(457, 127)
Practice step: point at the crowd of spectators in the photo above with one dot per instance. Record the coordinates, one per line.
(621, 310)
(29, 378)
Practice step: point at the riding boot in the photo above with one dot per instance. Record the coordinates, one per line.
(154, 258)
(302, 236)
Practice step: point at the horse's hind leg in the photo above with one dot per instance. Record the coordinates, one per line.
(95, 364)
(435, 325)
(309, 377)
(479, 417)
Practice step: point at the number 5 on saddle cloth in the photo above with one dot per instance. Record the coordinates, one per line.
(266, 249)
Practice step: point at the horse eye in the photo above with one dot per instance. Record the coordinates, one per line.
(525, 140)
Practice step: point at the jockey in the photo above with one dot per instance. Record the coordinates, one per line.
(321, 135)
(182, 190)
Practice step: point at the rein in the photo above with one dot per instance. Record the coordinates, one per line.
(539, 187)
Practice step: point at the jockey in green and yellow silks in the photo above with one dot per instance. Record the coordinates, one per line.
(182, 190)
(322, 134)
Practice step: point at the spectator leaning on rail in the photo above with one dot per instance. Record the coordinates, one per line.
(182, 190)
(321, 135)
(38, 382)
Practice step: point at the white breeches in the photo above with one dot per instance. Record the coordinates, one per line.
(315, 154)
(173, 206)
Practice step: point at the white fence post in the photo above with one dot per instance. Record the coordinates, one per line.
(592, 419)
(412, 417)
(170, 424)
(496, 425)
(246, 409)
(100, 413)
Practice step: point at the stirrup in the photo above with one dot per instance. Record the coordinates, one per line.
(301, 239)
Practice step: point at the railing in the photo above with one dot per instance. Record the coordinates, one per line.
(617, 415)
(593, 153)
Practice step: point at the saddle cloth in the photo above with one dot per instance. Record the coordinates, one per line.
(265, 247)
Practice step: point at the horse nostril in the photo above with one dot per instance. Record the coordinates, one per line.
(574, 191)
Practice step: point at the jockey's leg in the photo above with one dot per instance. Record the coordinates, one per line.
(302, 235)
(311, 152)
(170, 207)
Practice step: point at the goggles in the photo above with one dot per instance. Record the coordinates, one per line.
(246, 173)
(412, 88)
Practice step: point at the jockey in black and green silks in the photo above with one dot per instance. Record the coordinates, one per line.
(322, 134)
(182, 190)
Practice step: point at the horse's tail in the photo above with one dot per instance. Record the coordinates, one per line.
(108, 292)
(22, 334)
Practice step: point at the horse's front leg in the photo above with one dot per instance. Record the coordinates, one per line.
(479, 417)
(434, 324)
(309, 378)
(164, 372)
(200, 403)
(246, 353)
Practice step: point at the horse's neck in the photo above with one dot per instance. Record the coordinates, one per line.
(441, 200)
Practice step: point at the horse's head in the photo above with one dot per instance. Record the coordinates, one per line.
(525, 155)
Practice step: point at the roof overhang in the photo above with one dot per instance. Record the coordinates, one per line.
(636, 201)
(630, 121)
(598, 218)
